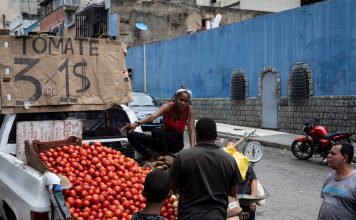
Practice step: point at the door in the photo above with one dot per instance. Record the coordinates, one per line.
(269, 101)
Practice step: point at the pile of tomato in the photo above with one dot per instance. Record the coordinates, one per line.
(105, 183)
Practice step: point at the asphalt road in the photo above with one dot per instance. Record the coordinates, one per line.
(293, 185)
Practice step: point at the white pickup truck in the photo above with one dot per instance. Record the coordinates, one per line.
(23, 195)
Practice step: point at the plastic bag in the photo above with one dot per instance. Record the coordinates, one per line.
(242, 161)
(261, 191)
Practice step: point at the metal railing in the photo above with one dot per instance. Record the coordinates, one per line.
(71, 2)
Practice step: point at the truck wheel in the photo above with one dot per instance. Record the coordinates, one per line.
(10, 215)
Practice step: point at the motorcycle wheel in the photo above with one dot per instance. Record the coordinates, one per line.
(301, 150)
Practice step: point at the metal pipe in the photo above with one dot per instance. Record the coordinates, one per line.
(144, 69)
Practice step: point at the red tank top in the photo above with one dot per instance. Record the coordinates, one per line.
(175, 126)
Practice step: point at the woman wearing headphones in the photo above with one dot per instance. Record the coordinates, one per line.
(176, 114)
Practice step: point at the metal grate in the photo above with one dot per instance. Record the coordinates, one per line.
(238, 86)
(299, 84)
(91, 22)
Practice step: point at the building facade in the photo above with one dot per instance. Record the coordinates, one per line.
(9, 10)
(58, 16)
(28, 14)
(165, 20)
(275, 71)
(256, 5)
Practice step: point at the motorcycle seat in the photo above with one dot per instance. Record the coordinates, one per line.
(331, 135)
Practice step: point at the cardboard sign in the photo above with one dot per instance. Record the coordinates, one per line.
(45, 131)
(45, 73)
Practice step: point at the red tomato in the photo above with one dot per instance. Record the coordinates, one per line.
(75, 216)
(128, 195)
(95, 199)
(171, 217)
(106, 204)
(86, 214)
(86, 203)
(88, 178)
(71, 201)
(85, 145)
(78, 189)
(164, 214)
(97, 144)
(134, 191)
(78, 203)
(109, 214)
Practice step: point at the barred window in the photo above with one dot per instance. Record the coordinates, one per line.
(299, 81)
(238, 85)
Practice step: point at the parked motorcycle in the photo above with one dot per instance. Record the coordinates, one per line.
(317, 140)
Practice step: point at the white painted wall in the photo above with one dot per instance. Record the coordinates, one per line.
(269, 5)
(255, 5)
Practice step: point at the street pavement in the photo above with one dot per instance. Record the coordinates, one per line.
(268, 138)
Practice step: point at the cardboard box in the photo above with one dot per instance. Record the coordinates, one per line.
(51, 74)
(32, 151)
(233, 208)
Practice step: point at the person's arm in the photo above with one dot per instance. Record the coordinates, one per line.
(233, 191)
(191, 124)
(130, 127)
(253, 193)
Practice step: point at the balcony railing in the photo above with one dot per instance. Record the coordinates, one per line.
(71, 2)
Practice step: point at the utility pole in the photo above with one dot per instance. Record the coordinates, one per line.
(29, 10)
(3, 21)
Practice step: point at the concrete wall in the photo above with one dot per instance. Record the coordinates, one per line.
(166, 20)
(321, 35)
(269, 5)
(256, 5)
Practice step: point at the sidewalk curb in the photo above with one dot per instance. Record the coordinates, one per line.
(264, 143)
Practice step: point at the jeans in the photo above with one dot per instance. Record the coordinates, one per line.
(160, 141)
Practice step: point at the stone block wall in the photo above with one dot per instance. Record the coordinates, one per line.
(243, 113)
(337, 113)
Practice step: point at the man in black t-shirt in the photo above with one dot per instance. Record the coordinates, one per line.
(204, 176)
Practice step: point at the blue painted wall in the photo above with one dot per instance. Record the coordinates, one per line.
(322, 35)
(112, 24)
